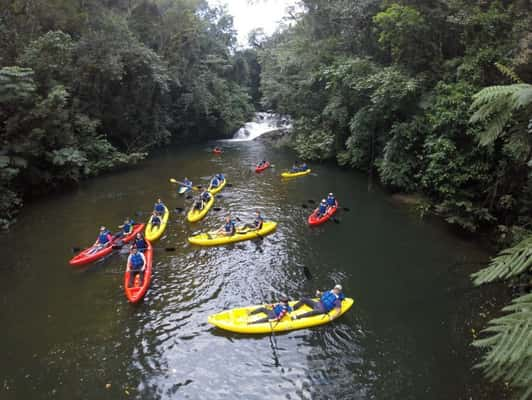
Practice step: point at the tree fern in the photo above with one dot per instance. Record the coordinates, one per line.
(496, 105)
(509, 262)
(509, 344)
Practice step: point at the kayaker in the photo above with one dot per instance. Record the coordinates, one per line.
(227, 229)
(187, 182)
(331, 201)
(215, 182)
(104, 238)
(331, 299)
(126, 228)
(155, 219)
(303, 166)
(274, 312)
(140, 243)
(204, 197)
(322, 209)
(295, 166)
(136, 264)
(159, 207)
(220, 177)
(257, 222)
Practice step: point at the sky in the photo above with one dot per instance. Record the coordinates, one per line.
(248, 15)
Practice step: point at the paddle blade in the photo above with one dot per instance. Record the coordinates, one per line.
(304, 206)
(229, 185)
(169, 249)
(311, 201)
(346, 209)
(76, 249)
(307, 273)
(216, 209)
(336, 220)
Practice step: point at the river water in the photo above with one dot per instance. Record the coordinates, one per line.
(69, 333)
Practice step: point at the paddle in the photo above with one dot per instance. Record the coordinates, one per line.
(182, 183)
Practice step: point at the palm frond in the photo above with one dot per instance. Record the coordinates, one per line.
(509, 262)
(508, 72)
(495, 106)
(509, 344)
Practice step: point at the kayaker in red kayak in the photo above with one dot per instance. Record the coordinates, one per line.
(331, 201)
(227, 229)
(257, 222)
(125, 229)
(140, 243)
(322, 209)
(275, 312)
(104, 239)
(331, 299)
(136, 265)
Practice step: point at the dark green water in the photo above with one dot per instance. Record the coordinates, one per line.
(67, 332)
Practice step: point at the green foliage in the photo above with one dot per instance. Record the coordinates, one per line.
(90, 86)
(509, 346)
(510, 262)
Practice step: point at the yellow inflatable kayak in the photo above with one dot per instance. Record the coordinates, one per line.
(155, 232)
(196, 215)
(215, 239)
(295, 174)
(237, 319)
(217, 189)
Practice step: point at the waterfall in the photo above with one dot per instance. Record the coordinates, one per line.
(262, 123)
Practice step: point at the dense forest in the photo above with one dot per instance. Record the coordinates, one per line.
(88, 86)
(429, 98)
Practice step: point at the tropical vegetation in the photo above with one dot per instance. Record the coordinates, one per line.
(88, 86)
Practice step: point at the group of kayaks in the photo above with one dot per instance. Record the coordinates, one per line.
(235, 320)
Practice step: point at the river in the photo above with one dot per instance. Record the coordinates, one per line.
(69, 333)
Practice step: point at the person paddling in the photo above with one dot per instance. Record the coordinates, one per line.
(228, 228)
(140, 243)
(295, 166)
(155, 219)
(275, 312)
(322, 208)
(159, 207)
(257, 222)
(331, 201)
(331, 299)
(186, 183)
(104, 238)
(215, 182)
(126, 228)
(136, 265)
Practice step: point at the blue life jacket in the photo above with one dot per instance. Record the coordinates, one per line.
(141, 244)
(155, 220)
(103, 238)
(303, 167)
(127, 228)
(159, 207)
(221, 177)
(206, 196)
(187, 182)
(215, 182)
(136, 261)
(329, 298)
(323, 208)
(230, 226)
(279, 308)
(331, 201)
(258, 222)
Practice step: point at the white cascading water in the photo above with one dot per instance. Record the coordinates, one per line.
(262, 123)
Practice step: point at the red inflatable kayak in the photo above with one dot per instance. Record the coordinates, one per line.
(263, 167)
(217, 151)
(314, 220)
(92, 253)
(135, 293)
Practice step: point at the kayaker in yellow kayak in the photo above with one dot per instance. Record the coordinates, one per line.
(155, 219)
(274, 312)
(227, 229)
(159, 207)
(203, 198)
(299, 167)
(331, 299)
(217, 181)
(257, 222)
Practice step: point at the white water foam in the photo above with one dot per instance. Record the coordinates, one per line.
(262, 123)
